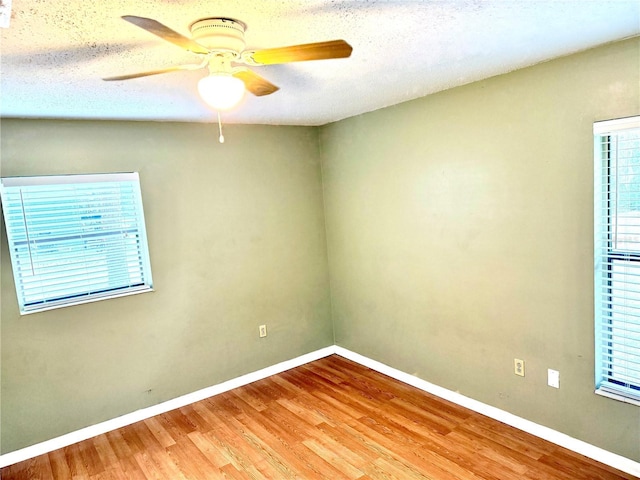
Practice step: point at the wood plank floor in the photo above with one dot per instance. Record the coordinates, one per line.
(330, 419)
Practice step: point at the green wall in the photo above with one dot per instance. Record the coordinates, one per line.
(460, 237)
(458, 231)
(236, 238)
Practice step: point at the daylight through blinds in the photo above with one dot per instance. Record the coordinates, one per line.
(75, 238)
(617, 257)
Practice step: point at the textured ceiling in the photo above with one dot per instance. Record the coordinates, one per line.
(54, 53)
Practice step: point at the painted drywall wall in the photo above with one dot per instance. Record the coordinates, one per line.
(460, 237)
(236, 238)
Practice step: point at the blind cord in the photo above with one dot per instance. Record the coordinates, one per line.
(26, 229)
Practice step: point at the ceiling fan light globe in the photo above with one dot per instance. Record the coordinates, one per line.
(221, 91)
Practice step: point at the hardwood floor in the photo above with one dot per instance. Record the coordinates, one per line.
(330, 419)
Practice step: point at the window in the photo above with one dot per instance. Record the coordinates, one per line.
(617, 258)
(75, 238)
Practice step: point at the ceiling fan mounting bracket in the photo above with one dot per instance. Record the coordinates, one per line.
(219, 34)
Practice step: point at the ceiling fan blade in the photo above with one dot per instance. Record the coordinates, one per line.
(301, 53)
(256, 84)
(152, 72)
(166, 33)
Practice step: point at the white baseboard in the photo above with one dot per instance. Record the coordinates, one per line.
(586, 449)
(596, 453)
(133, 417)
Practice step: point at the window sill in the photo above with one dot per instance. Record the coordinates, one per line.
(83, 300)
(617, 396)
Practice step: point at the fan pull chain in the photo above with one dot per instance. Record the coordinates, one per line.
(221, 137)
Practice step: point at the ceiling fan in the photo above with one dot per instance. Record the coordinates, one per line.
(220, 42)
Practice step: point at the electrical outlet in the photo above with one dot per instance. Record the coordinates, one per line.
(553, 378)
(262, 329)
(518, 367)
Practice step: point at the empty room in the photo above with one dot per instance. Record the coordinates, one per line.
(320, 239)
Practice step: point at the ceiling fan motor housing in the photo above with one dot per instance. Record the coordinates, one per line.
(225, 34)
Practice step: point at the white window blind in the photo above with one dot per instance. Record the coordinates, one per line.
(75, 238)
(617, 258)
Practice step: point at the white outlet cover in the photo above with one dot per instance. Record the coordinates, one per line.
(518, 366)
(553, 378)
